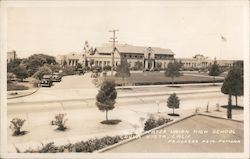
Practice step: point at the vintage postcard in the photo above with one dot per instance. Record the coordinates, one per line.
(125, 79)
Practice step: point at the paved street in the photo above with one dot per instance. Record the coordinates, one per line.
(84, 117)
(79, 87)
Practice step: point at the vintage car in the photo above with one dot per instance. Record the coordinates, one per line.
(46, 81)
(56, 77)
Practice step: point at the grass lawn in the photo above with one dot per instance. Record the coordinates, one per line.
(15, 86)
(151, 78)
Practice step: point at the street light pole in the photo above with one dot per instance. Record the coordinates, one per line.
(113, 40)
(158, 104)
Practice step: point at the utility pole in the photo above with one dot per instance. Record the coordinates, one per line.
(113, 40)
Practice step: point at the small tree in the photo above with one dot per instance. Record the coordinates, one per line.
(20, 72)
(78, 66)
(214, 71)
(60, 121)
(16, 125)
(55, 68)
(138, 65)
(174, 103)
(123, 70)
(173, 70)
(68, 70)
(240, 86)
(45, 70)
(232, 85)
(105, 99)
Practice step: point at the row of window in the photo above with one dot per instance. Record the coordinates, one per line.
(134, 56)
(104, 63)
(169, 57)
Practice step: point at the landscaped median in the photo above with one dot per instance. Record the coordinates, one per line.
(16, 89)
(23, 93)
(158, 78)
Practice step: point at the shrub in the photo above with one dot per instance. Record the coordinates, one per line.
(45, 70)
(90, 145)
(16, 125)
(49, 147)
(153, 123)
(107, 68)
(162, 121)
(20, 72)
(150, 124)
(60, 122)
(35, 83)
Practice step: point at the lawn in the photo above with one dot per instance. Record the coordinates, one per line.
(16, 87)
(157, 78)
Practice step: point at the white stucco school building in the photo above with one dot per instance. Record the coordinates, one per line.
(136, 56)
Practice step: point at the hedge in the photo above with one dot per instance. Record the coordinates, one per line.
(88, 146)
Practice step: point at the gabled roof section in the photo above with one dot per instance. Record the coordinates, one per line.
(126, 48)
(158, 50)
(73, 56)
(104, 49)
(131, 49)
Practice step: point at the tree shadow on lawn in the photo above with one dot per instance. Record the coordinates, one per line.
(173, 114)
(124, 88)
(174, 86)
(61, 129)
(111, 122)
(22, 133)
(234, 107)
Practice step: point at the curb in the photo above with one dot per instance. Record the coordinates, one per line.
(218, 117)
(165, 85)
(24, 95)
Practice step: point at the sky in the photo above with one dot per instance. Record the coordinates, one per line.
(185, 29)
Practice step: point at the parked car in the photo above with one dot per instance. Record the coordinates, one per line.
(46, 81)
(56, 77)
